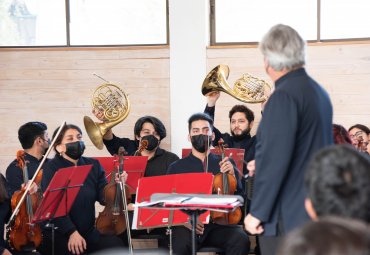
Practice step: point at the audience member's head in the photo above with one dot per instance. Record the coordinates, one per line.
(360, 137)
(341, 135)
(328, 236)
(338, 183)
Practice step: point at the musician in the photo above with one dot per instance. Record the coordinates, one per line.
(35, 141)
(360, 136)
(231, 238)
(297, 122)
(151, 129)
(241, 123)
(76, 233)
(4, 213)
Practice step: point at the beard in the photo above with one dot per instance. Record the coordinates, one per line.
(243, 135)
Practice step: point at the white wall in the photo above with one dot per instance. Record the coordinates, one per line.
(188, 45)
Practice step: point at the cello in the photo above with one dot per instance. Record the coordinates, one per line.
(22, 233)
(225, 184)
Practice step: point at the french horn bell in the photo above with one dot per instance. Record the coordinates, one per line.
(247, 89)
(113, 103)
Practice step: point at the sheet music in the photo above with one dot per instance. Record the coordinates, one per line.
(177, 200)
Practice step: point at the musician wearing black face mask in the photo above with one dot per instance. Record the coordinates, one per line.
(146, 128)
(231, 238)
(152, 130)
(76, 233)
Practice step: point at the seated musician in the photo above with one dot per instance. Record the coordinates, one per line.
(231, 238)
(151, 129)
(34, 139)
(76, 233)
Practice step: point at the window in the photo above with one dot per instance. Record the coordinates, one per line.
(245, 21)
(83, 23)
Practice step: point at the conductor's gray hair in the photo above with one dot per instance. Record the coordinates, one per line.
(283, 47)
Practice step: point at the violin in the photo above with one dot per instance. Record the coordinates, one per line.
(22, 234)
(112, 220)
(225, 184)
(142, 146)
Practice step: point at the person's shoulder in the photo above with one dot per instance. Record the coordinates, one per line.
(170, 154)
(12, 167)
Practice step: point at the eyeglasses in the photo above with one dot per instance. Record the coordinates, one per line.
(357, 134)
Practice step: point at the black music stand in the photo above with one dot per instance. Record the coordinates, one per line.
(60, 195)
(194, 205)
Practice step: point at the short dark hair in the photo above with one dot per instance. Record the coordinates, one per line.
(341, 135)
(158, 126)
(361, 127)
(338, 182)
(62, 133)
(329, 236)
(200, 116)
(28, 132)
(249, 115)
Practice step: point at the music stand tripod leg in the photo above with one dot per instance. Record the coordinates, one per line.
(194, 219)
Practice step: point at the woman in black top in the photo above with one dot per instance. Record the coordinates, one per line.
(76, 233)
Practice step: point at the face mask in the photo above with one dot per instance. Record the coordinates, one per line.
(199, 142)
(153, 142)
(75, 150)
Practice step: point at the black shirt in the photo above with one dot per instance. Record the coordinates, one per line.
(14, 174)
(157, 165)
(248, 143)
(82, 214)
(192, 164)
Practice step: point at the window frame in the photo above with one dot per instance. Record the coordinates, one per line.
(212, 24)
(68, 36)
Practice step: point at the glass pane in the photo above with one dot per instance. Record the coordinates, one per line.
(112, 22)
(32, 23)
(248, 21)
(342, 19)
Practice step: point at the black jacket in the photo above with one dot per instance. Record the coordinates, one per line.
(82, 214)
(248, 143)
(296, 123)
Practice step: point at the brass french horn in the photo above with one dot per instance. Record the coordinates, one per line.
(113, 103)
(248, 89)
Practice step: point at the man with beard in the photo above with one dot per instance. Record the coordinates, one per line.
(241, 123)
(35, 141)
(231, 238)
